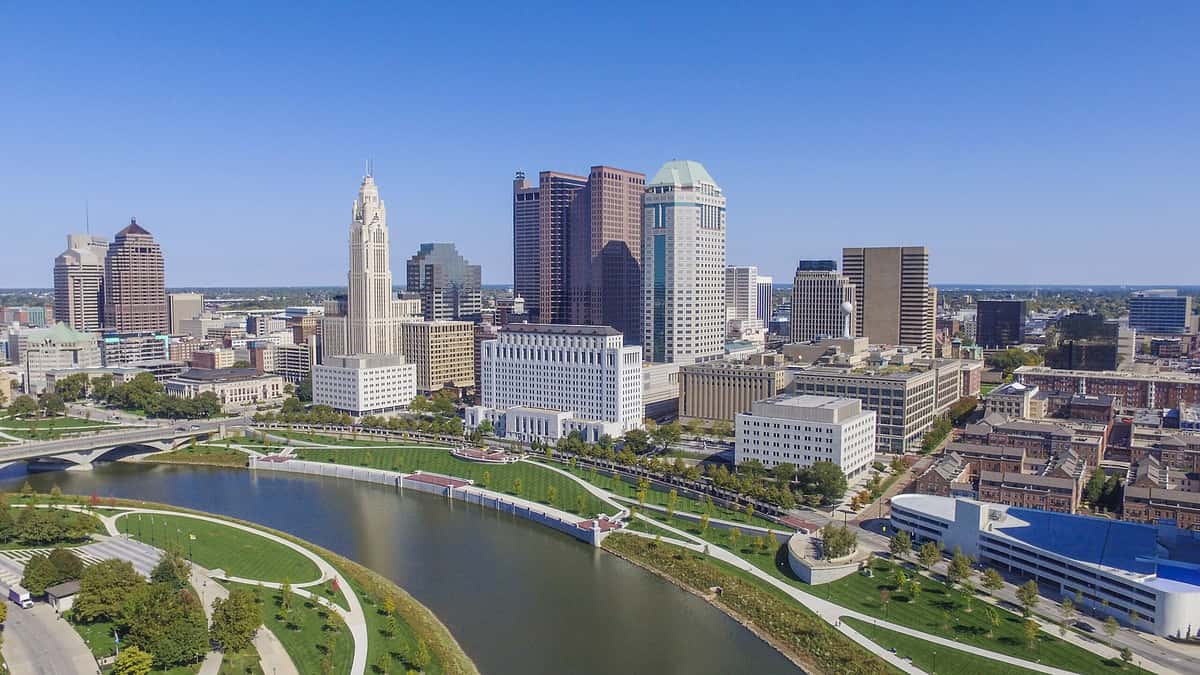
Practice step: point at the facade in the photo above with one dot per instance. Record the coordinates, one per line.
(1056, 486)
(79, 282)
(233, 386)
(372, 318)
(40, 350)
(1015, 400)
(1000, 323)
(127, 349)
(719, 390)
(182, 306)
(295, 362)
(892, 300)
(766, 299)
(604, 252)
(820, 297)
(542, 217)
(212, 359)
(556, 378)
(448, 285)
(135, 292)
(1160, 312)
(1043, 440)
(442, 351)
(684, 262)
(1131, 389)
(948, 476)
(804, 429)
(365, 385)
(1121, 569)
(741, 293)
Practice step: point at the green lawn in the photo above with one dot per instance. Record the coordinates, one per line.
(684, 504)
(306, 639)
(934, 659)
(215, 455)
(244, 662)
(363, 440)
(535, 480)
(942, 611)
(98, 636)
(746, 543)
(239, 553)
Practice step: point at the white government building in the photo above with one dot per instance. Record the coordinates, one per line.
(364, 385)
(802, 429)
(542, 381)
(1117, 567)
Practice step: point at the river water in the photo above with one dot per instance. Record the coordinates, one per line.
(519, 598)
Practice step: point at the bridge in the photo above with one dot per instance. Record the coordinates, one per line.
(81, 451)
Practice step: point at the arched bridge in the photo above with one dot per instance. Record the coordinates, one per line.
(85, 449)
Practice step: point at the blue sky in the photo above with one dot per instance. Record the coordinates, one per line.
(1022, 142)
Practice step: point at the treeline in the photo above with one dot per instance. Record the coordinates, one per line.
(436, 416)
(142, 393)
(33, 526)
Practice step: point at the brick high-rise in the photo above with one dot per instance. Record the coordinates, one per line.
(135, 293)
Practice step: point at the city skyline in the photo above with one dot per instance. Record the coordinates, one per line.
(869, 139)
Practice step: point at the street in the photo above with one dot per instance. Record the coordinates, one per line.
(36, 641)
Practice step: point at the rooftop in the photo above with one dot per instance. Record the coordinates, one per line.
(682, 172)
(561, 329)
(218, 374)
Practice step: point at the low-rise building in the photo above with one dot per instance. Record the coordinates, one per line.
(718, 390)
(128, 349)
(233, 386)
(1015, 400)
(1125, 570)
(948, 476)
(1156, 493)
(212, 359)
(60, 347)
(443, 352)
(1055, 486)
(365, 385)
(295, 362)
(1132, 389)
(802, 429)
(1042, 439)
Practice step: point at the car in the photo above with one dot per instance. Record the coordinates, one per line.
(1084, 626)
(180, 428)
(195, 427)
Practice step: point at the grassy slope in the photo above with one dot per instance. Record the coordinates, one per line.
(305, 643)
(929, 658)
(211, 455)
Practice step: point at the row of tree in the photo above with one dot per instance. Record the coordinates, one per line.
(143, 393)
(43, 527)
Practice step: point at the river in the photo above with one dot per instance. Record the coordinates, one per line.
(518, 597)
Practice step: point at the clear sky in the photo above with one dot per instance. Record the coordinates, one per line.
(1035, 142)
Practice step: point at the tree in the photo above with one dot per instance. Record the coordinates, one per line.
(784, 472)
(838, 541)
(993, 621)
(1067, 608)
(39, 573)
(636, 441)
(167, 622)
(1028, 596)
(1111, 627)
(1095, 486)
(67, 564)
(1126, 655)
(172, 568)
(102, 589)
(959, 567)
(1030, 630)
(3, 612)
(241, 363)
(929, 554)
(827, 480)
(667, 435)
(486, 428)
(304, 390)
(703, 524)
(968, 588)
(133, 661)
(53, 404)
(914, 590)
(899, 579)
(23, 406)
(900, 545)
(735, 535)
(992, 580)
(235, 620)
(420, 656)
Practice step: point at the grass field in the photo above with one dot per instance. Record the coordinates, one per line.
(536, 481)
(362, 441)
(942, 611)
(244, 662)
(746, 545)
(684, 504)
(98, 636)
(306, 639)
(239, 553)
(934, 659)
(53, 423)
(214, 455)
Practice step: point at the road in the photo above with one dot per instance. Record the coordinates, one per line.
(36, 641)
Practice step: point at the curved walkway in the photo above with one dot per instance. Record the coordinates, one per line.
(354, 617)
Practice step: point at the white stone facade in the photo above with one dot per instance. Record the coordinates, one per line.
(804, 429)
(585, 371)
(683, 259)
(365, 385)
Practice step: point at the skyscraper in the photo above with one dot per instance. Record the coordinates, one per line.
(135, 293)
(741, 293)
(604, 256)
(766, 296)
(79, 282)
(818, 295)
(893, 303)
(526, 206)
(683, 252)
(542, 219)
(181, 307)
(999, 323)
(449, 286)
(1160, 311)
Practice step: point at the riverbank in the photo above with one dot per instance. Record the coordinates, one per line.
(372, 588)
(806, 640)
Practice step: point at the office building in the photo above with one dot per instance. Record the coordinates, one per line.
(1125, 570)
(716, 391)
(135, 293)
(442, 351)
(365, 385)
(822, 302)
(447, 285)
(544, 381)
(803, 429)
(181, 347)
(182, 307)
(741, 293)
(60, 347)
(1160, 312)
(766, 299)
(294, 362)
(212, 359)
(1015, 400)
(129, 349)
(201, 326)
(542, 217)
(1000, 323)
(684, 262)
(893, 303)
(79, 282)
(1089, 342)
(235, 387)
(1054, 486)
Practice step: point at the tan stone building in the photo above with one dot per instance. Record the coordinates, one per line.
(443, 351)
(234, 386)
(720, 390)
(893, 302)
